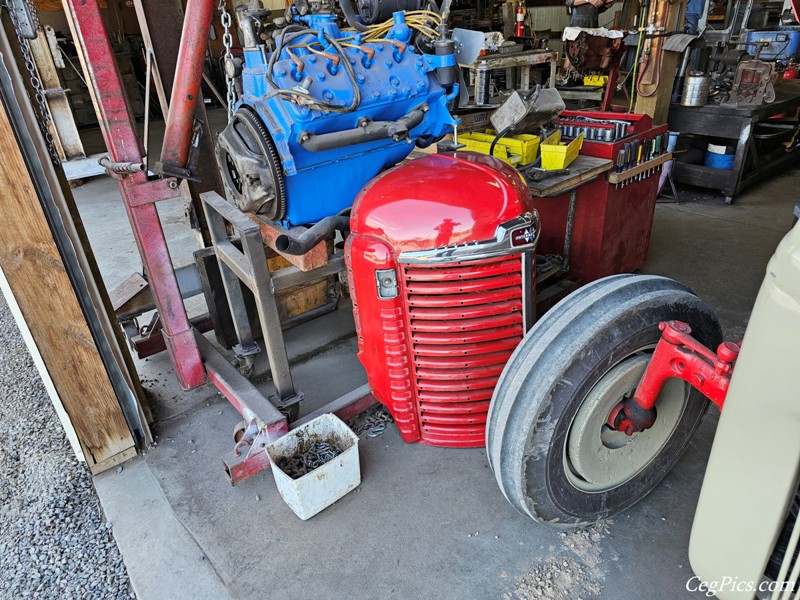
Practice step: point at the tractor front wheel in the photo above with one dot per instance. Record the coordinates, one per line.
(548, 442)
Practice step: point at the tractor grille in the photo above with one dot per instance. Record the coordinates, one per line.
(464, 320)
(785, 559)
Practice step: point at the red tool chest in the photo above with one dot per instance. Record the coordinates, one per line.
(612, 222)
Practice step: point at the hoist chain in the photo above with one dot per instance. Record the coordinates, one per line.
(227, 42)
(43, 113)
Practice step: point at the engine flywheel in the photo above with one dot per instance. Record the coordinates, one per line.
(250, 166)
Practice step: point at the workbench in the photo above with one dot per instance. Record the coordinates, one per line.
(582, 170)
(734, 123)
(519, 60)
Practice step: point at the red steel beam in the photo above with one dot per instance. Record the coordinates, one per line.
(138, 194)
(186, 86)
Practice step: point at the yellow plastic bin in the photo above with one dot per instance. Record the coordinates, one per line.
(515, 150)
(557, 155)
(595, 80)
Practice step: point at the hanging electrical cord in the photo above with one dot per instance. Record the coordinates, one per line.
(656, 83)
(293, 94)
(639, 44)
(422, 21)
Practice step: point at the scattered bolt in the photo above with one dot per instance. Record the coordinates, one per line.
(376, 430)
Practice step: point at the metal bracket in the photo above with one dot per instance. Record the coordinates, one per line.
(681, 356)
(27, 22)
(248, 267)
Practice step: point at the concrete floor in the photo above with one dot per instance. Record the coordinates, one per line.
(409, 529)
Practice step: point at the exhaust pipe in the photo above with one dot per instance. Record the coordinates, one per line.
(296, 245)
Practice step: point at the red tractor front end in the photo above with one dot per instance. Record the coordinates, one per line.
(441, 269)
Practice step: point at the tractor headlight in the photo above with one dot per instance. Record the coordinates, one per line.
(386, 280)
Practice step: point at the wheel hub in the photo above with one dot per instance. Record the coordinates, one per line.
(600, 458)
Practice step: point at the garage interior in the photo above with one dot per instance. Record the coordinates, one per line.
(176, 359)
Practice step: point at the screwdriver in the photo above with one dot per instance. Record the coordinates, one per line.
(639, 158)
(620, 165)
(657, 143)
(628, 159)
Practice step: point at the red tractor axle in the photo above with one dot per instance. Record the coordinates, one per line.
(679, 355)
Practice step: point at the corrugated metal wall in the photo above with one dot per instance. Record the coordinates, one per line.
(555, 18)
(545, 18)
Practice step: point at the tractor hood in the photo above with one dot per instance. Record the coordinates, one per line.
(440, 200)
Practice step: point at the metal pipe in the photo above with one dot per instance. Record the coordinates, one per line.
(573, 198)
(367, 131)
(186, 86)
(290, 243)
(121, 167)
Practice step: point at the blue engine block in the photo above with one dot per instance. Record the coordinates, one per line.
(393, 80)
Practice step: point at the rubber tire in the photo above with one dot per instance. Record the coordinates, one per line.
(550, 373)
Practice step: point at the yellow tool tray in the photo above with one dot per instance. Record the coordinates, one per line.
(558, 155)
(515, 150)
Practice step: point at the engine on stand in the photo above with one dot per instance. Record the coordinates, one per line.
(322, 110)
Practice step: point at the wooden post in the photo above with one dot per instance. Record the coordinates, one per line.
(657, 104)
(43, 291)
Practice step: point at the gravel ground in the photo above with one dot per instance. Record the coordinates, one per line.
(54, 541)
(576, 573)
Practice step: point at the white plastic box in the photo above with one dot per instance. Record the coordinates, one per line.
(326, 484)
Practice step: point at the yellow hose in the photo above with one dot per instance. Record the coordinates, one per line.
(636, 60)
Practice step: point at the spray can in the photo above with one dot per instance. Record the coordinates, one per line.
(482, 84)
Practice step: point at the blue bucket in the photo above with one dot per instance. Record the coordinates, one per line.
(717, 157)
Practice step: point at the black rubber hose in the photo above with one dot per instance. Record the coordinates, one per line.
(350, 16)
(531, 100)
(297, 245)
(497, 139)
